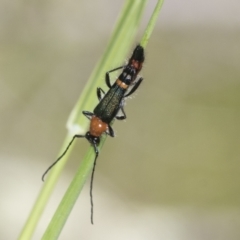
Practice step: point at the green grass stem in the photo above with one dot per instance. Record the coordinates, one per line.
(118, 46)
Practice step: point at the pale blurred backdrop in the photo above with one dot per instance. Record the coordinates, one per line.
(173, 171)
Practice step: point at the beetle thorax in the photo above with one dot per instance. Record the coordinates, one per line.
(97, 126)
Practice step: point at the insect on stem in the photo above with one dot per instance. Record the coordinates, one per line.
(110, 104)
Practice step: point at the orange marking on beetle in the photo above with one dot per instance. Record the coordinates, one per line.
(136, 64)
(97, 126)
(121, 84)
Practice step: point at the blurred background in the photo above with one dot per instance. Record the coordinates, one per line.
(172, 172)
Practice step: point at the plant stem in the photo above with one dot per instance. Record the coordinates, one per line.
(151, 24)
(116, 50)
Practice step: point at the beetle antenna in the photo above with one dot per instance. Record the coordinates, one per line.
(92, 176)
(59, 158)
